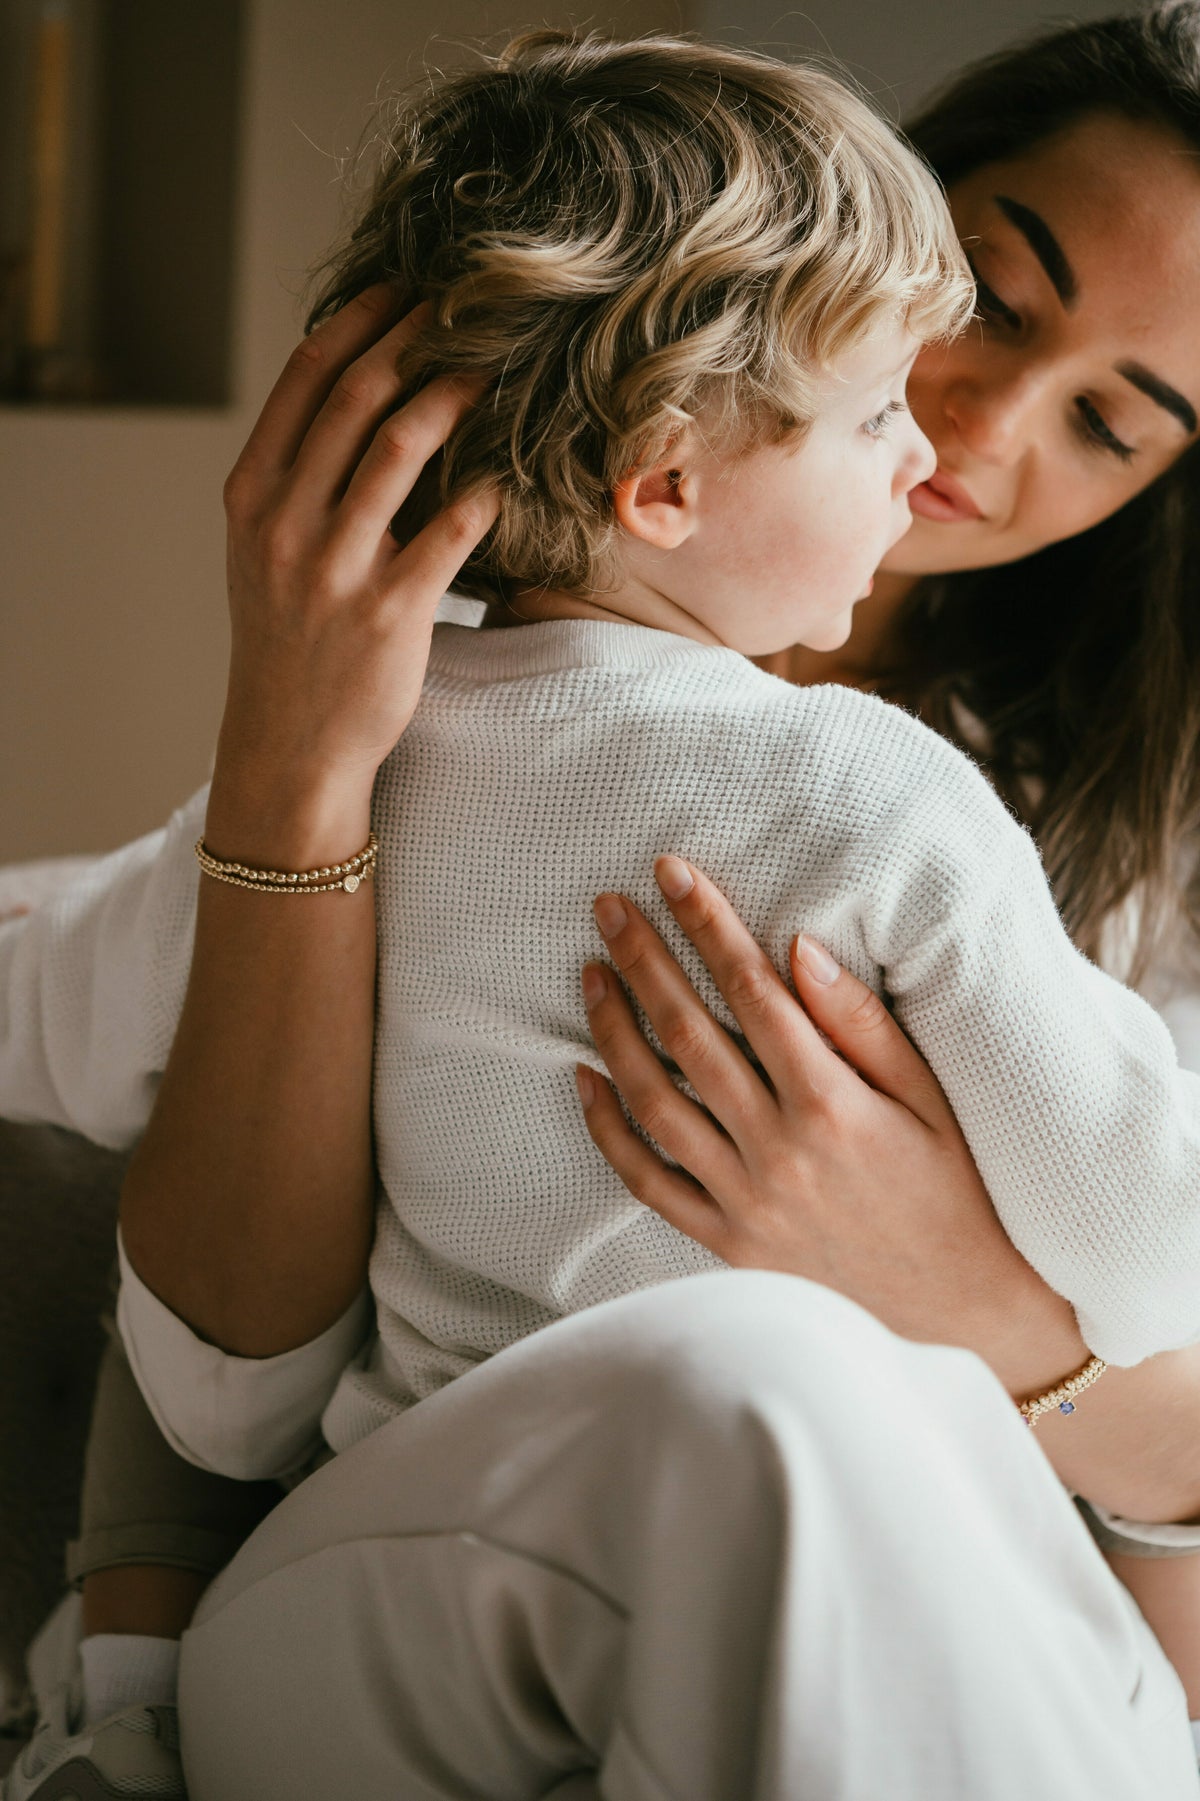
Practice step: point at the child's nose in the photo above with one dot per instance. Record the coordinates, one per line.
(919, 462)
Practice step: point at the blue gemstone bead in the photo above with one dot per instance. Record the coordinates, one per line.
(1066, 1406)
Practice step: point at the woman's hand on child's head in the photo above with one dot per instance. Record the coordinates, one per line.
(331, 617)
(849, 1169)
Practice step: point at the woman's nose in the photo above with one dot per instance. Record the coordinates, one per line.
(995, 412)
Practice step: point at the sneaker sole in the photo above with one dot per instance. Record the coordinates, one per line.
(80, 1780)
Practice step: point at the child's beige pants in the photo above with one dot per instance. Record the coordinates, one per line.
(726, 1538)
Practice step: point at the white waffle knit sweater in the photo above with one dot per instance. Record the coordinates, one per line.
(547, 763)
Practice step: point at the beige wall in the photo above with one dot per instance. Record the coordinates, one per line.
(112, 610)
(898, 53)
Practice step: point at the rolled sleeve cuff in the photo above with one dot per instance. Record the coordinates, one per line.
(246, 1417)
(1139, 1538)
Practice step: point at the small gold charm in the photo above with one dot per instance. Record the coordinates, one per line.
(350, 883)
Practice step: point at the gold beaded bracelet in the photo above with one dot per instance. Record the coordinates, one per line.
(1063, 1397)
(346, 876)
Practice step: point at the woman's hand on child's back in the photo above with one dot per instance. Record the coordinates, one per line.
(331, 617)
(848, 1169)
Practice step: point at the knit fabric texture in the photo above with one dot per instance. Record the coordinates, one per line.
(548, 763)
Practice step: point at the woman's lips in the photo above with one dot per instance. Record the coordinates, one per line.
(944, 499)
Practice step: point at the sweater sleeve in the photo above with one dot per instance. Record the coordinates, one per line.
(1066, 1084)
(247, 1417)
(92, 986)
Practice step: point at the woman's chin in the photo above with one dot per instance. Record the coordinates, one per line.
(906, 558)
(921, 551)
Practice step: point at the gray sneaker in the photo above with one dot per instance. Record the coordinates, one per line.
(132, 1753)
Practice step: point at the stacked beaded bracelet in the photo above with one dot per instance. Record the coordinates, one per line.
(1063, 1397)
(346, 875)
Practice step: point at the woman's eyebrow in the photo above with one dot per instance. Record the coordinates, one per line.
(1053, 258)
(1160, 391)
(1045, 246)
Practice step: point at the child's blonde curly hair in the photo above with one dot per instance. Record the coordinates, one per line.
(618, 235)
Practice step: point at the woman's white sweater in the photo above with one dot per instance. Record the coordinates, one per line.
(548, 763)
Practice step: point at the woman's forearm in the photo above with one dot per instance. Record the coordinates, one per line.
(247, 1207)
(1026, 1333)
(1133, 1443)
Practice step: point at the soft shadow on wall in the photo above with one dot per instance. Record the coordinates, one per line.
(896, 53)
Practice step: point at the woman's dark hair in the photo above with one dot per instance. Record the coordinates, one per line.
(1082, 661)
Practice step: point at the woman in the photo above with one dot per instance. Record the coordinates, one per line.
(313, 710)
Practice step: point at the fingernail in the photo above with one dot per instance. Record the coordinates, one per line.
(674, 877)
(595, 984)
(585, 1081)
(816, 959)
(611, 916)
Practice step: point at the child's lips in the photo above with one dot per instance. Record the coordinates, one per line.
(944, 499)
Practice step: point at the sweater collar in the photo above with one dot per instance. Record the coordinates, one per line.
(562, 644)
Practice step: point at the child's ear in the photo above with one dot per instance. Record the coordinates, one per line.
(657, 506)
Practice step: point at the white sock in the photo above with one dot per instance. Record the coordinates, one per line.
(126, 1669)
(1196, 1737)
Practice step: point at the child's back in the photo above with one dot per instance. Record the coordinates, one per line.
(549, 763)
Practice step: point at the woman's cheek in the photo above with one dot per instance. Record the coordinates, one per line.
(1052, 507)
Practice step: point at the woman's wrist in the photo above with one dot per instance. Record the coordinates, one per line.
(1133, 1446)
(1026, 1332)
(281, 814)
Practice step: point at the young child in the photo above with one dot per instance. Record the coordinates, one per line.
(696, 281)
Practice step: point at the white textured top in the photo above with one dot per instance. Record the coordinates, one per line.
(547, 763)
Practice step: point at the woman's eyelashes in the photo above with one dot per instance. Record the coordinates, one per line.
(989, 305)
(876, 427)
(1089, 423)
(1096, 433)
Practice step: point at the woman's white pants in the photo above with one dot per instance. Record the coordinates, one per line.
(723, 1540)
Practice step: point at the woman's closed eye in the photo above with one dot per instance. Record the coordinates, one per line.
(1097, 434)
(989, 305)
(1088, 423)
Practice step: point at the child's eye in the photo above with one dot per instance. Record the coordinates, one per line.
(877, 427)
